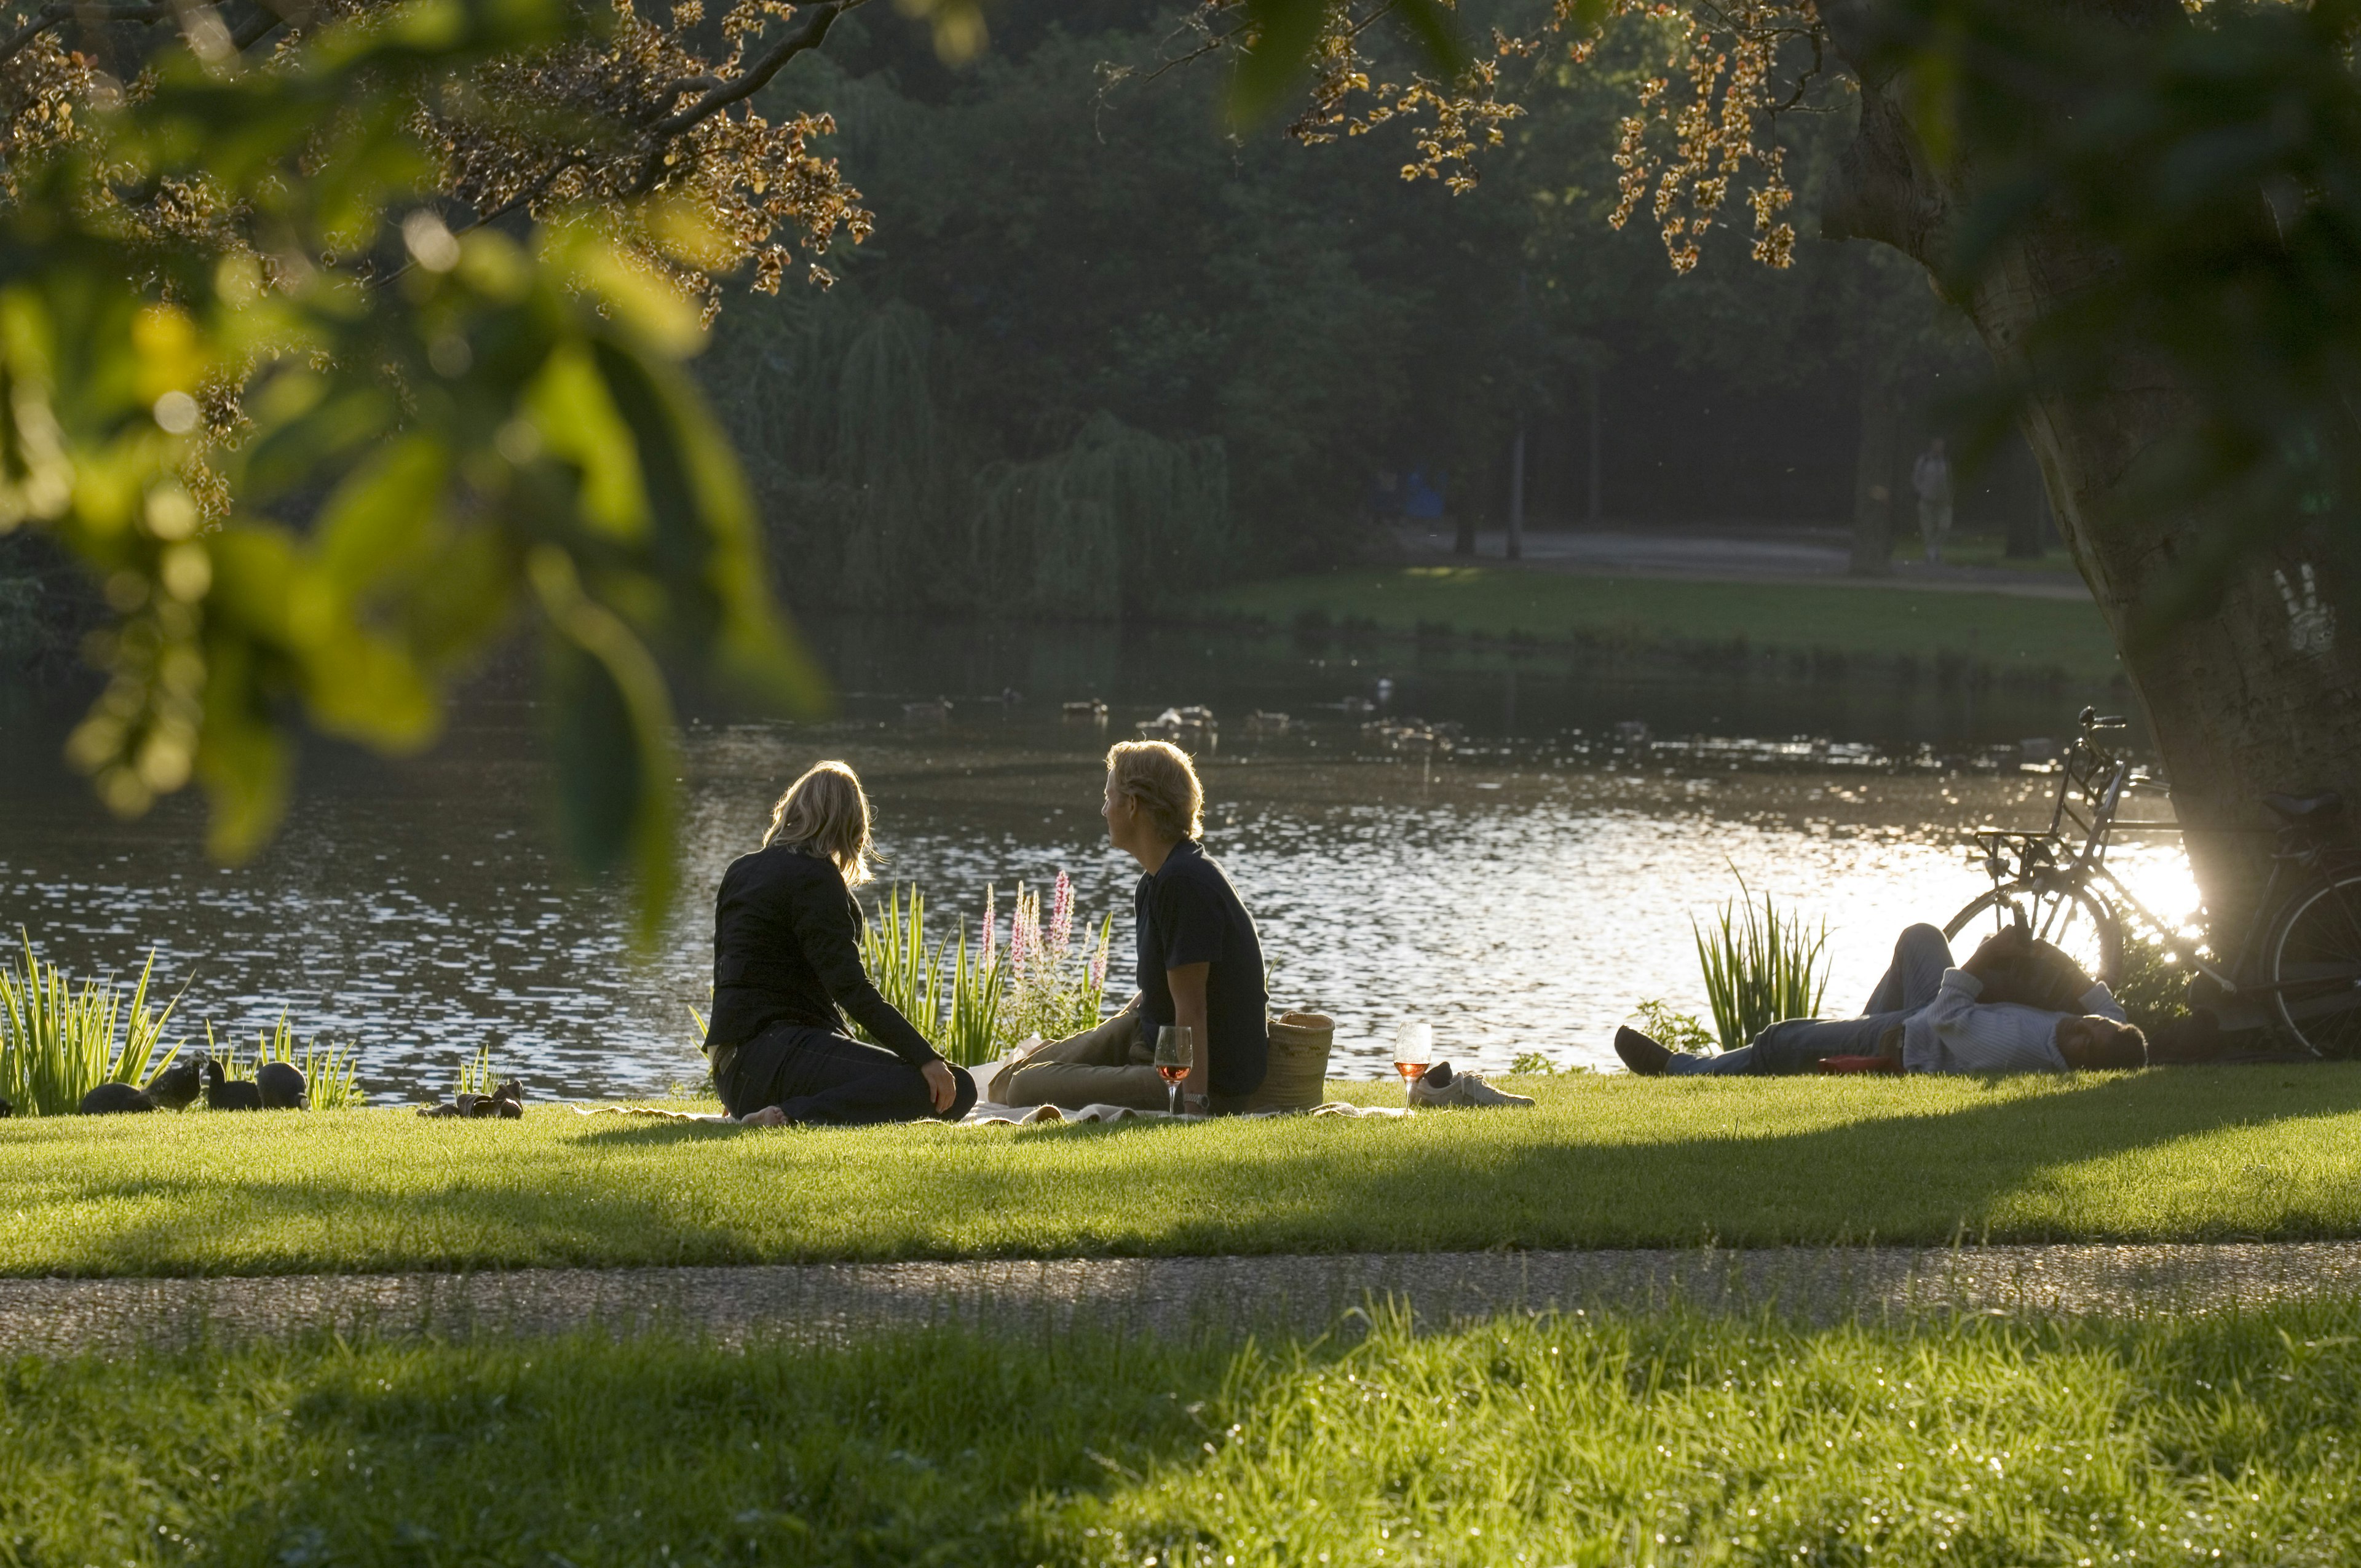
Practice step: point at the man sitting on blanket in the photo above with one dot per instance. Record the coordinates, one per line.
(1200, 960)
(2017, 1005)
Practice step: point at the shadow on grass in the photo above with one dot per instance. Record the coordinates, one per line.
(1601, 1166)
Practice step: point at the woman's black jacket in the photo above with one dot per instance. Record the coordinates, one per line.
(786, 950)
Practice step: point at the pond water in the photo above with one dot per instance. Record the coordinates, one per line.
(1523, 895)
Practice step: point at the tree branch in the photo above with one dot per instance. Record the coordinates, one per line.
(802, 41)
(254, 29)
(51, 16)
(532, 192)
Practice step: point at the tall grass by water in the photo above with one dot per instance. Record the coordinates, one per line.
(1761, 964)
(330, 1070)
(1577, 1438)
(59, 1040)
(975, 1002)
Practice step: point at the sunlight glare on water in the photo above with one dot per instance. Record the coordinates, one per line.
(1525, 895)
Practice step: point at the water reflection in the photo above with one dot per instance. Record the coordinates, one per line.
(1521, 894)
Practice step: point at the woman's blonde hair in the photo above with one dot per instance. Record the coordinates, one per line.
(824, 813)
(1159, 778)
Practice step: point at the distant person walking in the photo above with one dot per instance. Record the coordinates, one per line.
(1931, 478)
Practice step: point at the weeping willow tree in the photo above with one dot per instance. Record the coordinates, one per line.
(874, 497)
(1118, 521)
(836, 413)
(889, 464)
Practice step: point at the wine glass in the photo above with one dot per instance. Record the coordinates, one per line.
(1176, 1053)
(1413, 1049)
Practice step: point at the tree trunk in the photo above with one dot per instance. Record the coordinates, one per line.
(2258, 694)
(1516, 547)
(1590, 402)
(1872, 478)
(2028, 505)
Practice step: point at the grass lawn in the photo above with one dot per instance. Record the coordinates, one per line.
(1992, 550)
(1584, 1439)
(2186, 1153)
(2013, 635)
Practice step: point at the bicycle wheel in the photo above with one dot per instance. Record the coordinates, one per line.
(2073, 919)
(2315, 966)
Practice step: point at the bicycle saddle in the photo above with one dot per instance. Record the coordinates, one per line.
(2310, 808)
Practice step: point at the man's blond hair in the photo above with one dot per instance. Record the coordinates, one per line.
(1158, 776)
(826, 813)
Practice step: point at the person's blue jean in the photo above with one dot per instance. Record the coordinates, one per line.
(815, 1076)
(1796, 1045)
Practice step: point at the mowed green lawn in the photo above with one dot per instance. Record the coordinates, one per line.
(2188, 1152)
(1583, 1439)
(2011, 633)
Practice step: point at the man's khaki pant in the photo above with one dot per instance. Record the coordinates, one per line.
(1104, 1065)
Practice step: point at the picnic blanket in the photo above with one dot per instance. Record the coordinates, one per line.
(989, 1115)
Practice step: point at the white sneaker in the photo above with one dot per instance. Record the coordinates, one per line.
(1441, 1088)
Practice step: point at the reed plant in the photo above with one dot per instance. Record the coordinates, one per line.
(1761, 964)
(476, 1075)
(970, 1031)
(331, 1072)
(893, 949)
(1053, 991)
(974, 1002)
(59, 1040)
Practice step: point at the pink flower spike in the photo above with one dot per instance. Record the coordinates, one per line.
(1061, 917)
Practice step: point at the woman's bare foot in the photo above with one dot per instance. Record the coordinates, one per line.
(768, 1116)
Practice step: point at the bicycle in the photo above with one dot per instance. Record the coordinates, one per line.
(2304, 977)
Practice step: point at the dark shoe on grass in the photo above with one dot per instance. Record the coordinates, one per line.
(1640, 1053)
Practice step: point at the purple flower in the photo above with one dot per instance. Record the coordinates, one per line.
(1061, 915)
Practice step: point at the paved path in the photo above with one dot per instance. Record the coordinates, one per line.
(1167, 1295)
(1749, 558)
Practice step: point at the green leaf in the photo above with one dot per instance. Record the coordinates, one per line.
(579, 422)
(1268, 71)
(1429, 27)
(704, 539)
(1286, 31)
(613, 734)
(241, 758)
(384, 513)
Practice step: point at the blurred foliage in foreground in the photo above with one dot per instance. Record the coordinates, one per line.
(323, 490)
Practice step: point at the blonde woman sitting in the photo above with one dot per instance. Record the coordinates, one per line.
(786, 958)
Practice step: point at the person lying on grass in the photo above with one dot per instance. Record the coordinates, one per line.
(2017, 1005)
(786, 957)
(1200, 962)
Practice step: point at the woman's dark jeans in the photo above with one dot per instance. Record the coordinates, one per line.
(818, 1077)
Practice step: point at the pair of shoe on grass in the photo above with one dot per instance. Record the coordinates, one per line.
(505, 1103)
(1440, 1088)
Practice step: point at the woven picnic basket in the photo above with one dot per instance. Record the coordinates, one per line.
(1299, 1063)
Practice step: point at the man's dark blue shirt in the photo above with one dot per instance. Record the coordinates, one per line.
(1187, 913)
